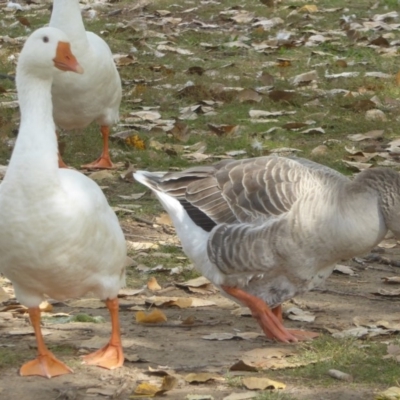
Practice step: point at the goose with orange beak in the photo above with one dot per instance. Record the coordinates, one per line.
(79, 100)
(58, 236)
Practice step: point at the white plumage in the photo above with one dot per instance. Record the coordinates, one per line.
(58, 235)
(96, 95)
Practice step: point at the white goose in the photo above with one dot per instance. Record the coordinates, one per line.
(58, 235)
(96, 95)
(266, 229)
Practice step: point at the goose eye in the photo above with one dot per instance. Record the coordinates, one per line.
(45, 39)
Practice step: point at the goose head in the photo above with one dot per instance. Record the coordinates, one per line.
(46, 49)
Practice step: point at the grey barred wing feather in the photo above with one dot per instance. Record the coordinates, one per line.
(242, 191)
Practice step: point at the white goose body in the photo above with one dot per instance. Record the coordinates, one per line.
(274, 227)
(58, 235)
(95, 95)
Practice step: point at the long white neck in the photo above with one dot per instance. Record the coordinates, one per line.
(34, 160)
(66, 15)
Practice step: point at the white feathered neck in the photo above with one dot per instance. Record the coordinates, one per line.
(35, 152)
(67, 16)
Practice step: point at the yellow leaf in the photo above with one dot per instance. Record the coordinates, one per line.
(398, 79)
(154, 317)
(392, 393)
(147, 389)
(284, 63)
(153, 285)
(135, 142)
(183, 302)
(201, 377)
(309, 8)
(254, 383)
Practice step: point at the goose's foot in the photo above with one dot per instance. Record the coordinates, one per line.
(299, 334)
(104, 161)
(46, 364)
(269, 322)
(111, 356)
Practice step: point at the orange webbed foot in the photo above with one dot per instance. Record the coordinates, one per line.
(46, 365)
(110, 356)
(100, 163)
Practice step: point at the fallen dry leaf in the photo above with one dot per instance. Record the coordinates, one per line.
(147, 389)
(241, 396)
(387, 293)
(393, 393)
(154, 317)
(125, 292)
(357, 137)
(296, 314)
(265, 358)
(249, 96)
(391, 279)
(281, 95)
(255, 383)
(309, 8)
(153, 285)
(202, 377)
(198, 285)
(344, 269)
(224, 130)
(181, 302)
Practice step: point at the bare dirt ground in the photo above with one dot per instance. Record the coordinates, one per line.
(181, 348)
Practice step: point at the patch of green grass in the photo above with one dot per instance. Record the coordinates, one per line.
(273, 395)
(87, 318)
(361, 359)
(11, 358)
(233, 381)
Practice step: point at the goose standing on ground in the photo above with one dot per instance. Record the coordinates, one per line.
(269, 228)
(58, 235)
(96, 95)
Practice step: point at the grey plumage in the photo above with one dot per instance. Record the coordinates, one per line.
(275, 226)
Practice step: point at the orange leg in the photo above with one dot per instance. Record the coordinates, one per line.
(46, 364)
(104, 161)
(269, 320)
(300, 335)
(277, 311)
(111, 355)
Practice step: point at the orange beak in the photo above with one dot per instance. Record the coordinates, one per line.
(65, 60)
